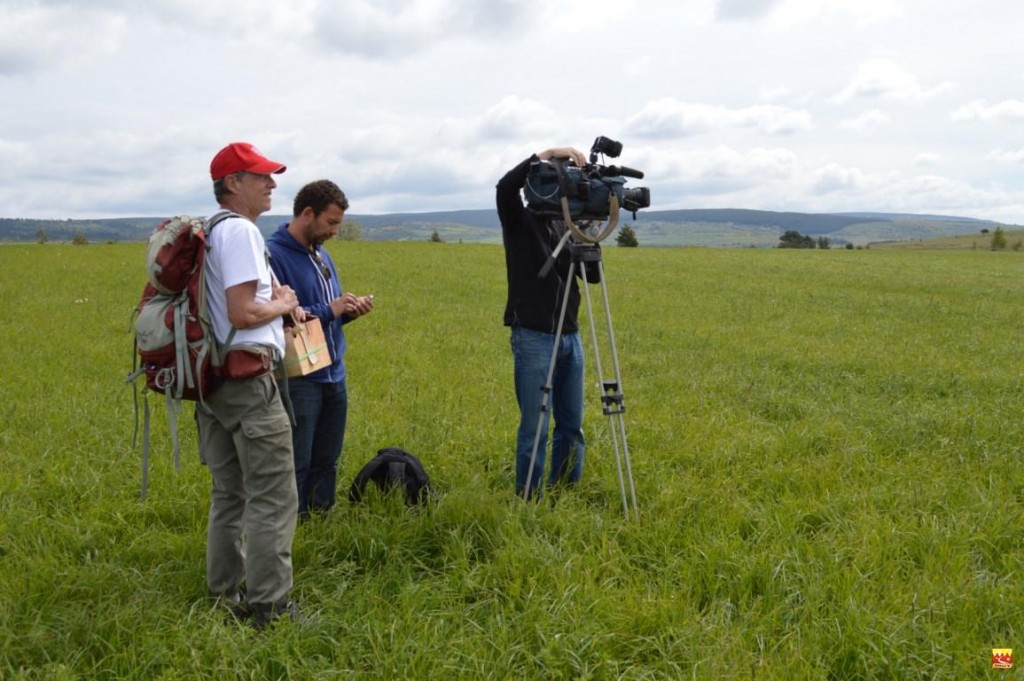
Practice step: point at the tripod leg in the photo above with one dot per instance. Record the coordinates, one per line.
(617, 413)
(612, 400)
(546, 388)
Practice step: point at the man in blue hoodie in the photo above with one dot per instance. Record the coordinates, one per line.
(319, 399)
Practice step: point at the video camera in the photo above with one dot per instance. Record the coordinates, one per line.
(588, 190)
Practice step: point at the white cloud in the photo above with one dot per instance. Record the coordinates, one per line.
(944, 193)
(108, 173)
(671, 118)
(34, 37)
(782, 180)
(114, 107)
(261, 19)
(884, 78)
(385, 28)
(711, 177)
(783, 14)
(514, 116)
(744, 9)
(773, 94)
(867, 121)
(1009, 110)
(1006, 156)
(854, 189)
(835, 178)
(567, 18)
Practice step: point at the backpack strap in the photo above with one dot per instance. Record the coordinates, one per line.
(217, 356)
(145, 443)
(219, 216)
(286, 396)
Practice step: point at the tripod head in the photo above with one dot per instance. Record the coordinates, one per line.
(582, 252)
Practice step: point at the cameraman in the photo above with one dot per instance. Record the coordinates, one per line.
(533, 309)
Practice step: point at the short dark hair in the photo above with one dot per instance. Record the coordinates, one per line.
(319, 195)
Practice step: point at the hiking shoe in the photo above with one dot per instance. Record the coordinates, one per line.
(265, 614)
(236, 605)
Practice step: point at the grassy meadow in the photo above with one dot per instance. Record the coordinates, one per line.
(826, 447)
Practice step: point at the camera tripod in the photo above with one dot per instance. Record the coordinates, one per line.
(585, 252)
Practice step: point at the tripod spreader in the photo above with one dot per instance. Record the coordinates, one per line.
(612, 401)
(580, 252)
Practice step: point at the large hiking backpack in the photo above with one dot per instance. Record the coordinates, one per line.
(392, 468)
(175, 347)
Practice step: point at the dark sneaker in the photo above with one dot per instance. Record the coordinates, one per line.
(236, 605)
(265, 614)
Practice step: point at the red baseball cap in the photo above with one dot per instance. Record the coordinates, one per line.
(242, 156)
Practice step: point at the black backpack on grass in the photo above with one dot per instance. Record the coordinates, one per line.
(393, 467)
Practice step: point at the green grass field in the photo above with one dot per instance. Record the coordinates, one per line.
(826, 446)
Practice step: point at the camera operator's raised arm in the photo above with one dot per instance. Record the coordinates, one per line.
(563, 152)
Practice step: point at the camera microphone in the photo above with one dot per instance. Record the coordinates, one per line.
(625, 172)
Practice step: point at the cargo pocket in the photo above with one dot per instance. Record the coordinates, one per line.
(268, 439)
(267, 426)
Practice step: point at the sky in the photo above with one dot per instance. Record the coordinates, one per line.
(114, 108)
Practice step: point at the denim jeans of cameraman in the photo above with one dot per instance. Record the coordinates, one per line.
(531, 351)
(321, 410)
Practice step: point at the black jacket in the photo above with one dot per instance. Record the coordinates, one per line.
(534, 303)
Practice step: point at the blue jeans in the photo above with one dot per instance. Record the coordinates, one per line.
(321, 410)
(532, 351)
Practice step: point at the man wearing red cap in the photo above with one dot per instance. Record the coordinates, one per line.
(245, 435)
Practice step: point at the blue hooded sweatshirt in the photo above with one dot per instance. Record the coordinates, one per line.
(315, 280)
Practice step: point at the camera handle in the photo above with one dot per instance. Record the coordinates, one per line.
(612, 401)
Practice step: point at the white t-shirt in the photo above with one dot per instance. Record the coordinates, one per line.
(238, 254)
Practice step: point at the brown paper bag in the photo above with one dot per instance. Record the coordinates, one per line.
(305, 349)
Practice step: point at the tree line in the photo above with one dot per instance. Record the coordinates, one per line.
(794, 239)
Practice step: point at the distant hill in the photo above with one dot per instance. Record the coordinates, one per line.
(716, 227)
(111, 229)
(805, 223)
(975, 241)
(910, 216)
